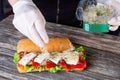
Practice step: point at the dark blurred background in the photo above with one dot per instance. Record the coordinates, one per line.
(5, 9)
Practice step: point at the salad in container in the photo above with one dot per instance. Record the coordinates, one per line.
(95, 15)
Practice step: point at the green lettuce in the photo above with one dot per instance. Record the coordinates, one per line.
(83, 57)
(16, 57)
(79, 49)
(41, 69)
(28, 68)
(55, 69)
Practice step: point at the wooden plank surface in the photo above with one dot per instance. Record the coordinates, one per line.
(95, 40)
(103, 55)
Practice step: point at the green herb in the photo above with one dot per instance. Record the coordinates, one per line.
(79, 49)
(28, 68)
(16, 57)
(53, 55)
(83, 57)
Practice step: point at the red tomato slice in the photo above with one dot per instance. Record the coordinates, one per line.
(62, 63)
(65, 65)
(21, 55)
(81, 64)
(35, 64)
(50, 64)
(68, 68)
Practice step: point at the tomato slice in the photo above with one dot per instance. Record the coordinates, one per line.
(68, 68)
(62, 63)
(21, 55)
(65, 65)
(35, 64)
(50, 64)
(81, 64)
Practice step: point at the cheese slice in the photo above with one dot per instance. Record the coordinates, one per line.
(41, 57)
(70, 57)
(55, 57)
(27, 58)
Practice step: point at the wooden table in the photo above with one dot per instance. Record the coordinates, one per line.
(102, 50)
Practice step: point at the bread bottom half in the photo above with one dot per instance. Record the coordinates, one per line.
(22, 70)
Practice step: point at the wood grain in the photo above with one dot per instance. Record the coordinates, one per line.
(102, 50)
(95, 40)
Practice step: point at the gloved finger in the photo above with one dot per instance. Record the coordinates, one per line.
(41, 30)
(113, 28)
(41, 17)
(115, 4)
(35, 37)
(114, 21)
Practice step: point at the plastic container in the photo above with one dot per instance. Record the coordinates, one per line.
(89, 27)
(95, 15)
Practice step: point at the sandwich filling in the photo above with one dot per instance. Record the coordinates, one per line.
(67, 60)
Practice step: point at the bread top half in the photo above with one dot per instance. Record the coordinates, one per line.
(58, 44)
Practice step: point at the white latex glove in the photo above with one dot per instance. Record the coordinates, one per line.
(30, 21)
(115, 20)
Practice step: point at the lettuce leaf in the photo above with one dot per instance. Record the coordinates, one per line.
(28, 68)
(79, 49)
(55, 69)
(41, 69)
(83, 57)
(16, 57)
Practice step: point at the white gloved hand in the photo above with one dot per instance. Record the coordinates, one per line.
(115, 20)
(30, 21)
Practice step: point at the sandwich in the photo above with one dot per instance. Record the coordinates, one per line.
(60, 55)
